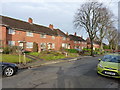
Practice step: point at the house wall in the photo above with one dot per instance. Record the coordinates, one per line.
(3, 36)
(80, 45)
(60, 41)
(94, 46)
(21, 36)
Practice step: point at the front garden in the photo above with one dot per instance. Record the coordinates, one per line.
(53, 55)
(13, 54)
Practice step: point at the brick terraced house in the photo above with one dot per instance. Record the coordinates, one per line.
(96, 44)
(20, 33)
(77, 42)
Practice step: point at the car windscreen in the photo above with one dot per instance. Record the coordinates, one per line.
(111, 58)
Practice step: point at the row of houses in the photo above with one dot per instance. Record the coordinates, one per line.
(21, 33)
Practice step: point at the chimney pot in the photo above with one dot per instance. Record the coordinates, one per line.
(75, 33)
(66, 33)
(30, 20)
(51, 26)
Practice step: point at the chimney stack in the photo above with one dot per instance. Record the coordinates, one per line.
(66, 33)
(30, 20)
(75, 33)
(51, 26)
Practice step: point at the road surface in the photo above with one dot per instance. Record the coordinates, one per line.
(75, 74)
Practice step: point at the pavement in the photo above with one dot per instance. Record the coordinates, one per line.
(39, 63)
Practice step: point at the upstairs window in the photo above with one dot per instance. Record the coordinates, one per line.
(29, 34)
(64, 38)
(11, 31)
(75, 41)
(11, 43)
(53, 37)
(43, 35)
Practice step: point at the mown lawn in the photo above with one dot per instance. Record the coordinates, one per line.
(52, 55)
(13, 58)
(34, 53)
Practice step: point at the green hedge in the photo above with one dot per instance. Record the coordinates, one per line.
(86, 49)
(71, 50)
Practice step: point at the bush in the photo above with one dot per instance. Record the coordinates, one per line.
(106, 47)
(6, 50)
(14, 49)
(86, 49)
(97, 49)
(27, 52)
(86, 53)
(71, 50)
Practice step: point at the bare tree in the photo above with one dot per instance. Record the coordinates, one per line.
(116, 40)
(105, 21)
(88, 16)
(112, 37)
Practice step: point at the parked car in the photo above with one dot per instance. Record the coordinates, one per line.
(8, 69)
(79, 50)
(109, 66)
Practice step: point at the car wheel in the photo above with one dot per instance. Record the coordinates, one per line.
(8, 71)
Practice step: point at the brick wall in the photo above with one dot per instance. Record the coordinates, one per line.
(21, 36)
(3, 36)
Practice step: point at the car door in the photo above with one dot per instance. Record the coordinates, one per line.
(0, 69)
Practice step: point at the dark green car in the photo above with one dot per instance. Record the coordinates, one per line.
(109, 66)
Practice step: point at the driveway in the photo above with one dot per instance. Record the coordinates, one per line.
(75, 74)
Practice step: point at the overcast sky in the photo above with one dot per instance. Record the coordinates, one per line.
(60, 13)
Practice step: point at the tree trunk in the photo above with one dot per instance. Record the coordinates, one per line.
(116, 47)
(92, 54)
(101, 46)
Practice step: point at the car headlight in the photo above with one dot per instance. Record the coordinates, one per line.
(101, 66)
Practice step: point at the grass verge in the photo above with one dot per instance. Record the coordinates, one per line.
(13, 58)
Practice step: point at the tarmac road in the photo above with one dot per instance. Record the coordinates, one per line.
(75, 74)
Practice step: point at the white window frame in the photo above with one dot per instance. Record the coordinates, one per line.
(53, 45)
(64, 45)
(53, 37)
(75, 41)
(64, 38)
(29, 45)
(30, 34)
(42, 35)
(11, 31)
(11, 43)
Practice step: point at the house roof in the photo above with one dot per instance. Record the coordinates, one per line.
(98, 42)
(76, 38)
(25, 26)
(95, 42)
(60, 33)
